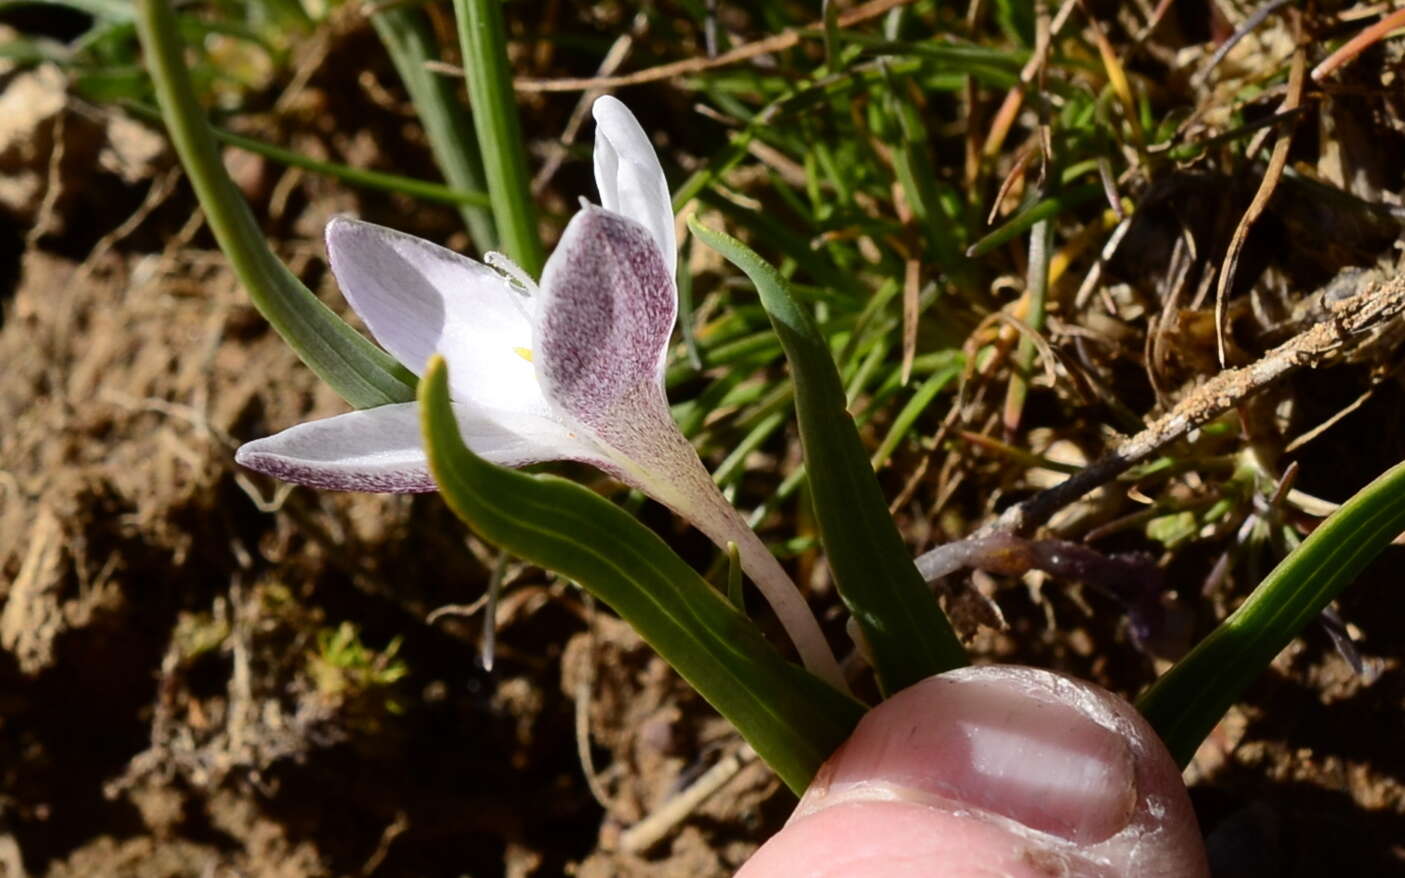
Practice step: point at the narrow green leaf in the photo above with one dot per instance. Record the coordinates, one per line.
(1036, 288)
(407, 37)
(483, 36)
(731, 467)
(830, 14)
(686, 314)
(720, 163)
(790, 717)
(917, 175)
(362, 373)
(921, 398)
(287, 15)
(734, 578)
(379, 180)
(907, 633)
(1184, 705)
(25, 51)
(1042, 210)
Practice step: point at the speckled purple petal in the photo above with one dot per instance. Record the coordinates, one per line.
(607, 309)
(420, 299)
(380, 450)
(606, 312)
(607, 306)
(630, 178)
(375, 451)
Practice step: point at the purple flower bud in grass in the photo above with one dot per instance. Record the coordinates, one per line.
(568, 370)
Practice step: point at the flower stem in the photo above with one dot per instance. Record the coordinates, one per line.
(693, 495)
(785, 599)
(791, 718)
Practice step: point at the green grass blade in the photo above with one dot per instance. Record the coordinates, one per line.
(908, 636)
(483, 36)
(734, 578)
(687, 316)
(407, 37)
(1038, 212)
(379, 180)
(1036, 288)
(916, 174)
(915, 406)
(362, 373)
(1184, 705)
(792, 718)
(731, 466)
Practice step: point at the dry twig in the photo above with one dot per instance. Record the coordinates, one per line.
(1358, 44)
(1349, 331)
(784, 40)
(1276, 163)
(649, 831)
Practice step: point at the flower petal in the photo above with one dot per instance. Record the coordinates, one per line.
(630, 178)
(380, 450)
(420, 299)
(607, 309)
(376, 451)
(606, 312)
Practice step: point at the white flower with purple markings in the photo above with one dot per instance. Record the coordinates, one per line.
(568, 369)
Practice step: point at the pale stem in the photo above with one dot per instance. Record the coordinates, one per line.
(786, 601)
(698, 500)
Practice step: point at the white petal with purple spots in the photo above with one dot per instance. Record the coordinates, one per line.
(381, 450)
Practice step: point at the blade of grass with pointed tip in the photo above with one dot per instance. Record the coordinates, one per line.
(686, 314)
(406, 35)
(916, 174)
(918, 403)
(1041, 210)
(380, 180)
(1188, 700)
(907, 633)
(734, 578)
(362, 373)
(789, 716)
(1036, 288)
(483, 36)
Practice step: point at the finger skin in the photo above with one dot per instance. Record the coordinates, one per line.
(993, 771)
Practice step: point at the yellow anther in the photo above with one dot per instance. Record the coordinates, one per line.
(524, 353)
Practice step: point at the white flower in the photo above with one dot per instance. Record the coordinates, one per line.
(571, 369)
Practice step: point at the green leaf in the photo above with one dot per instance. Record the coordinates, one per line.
(1173, 530)
(1042, 210)
(908, 636)
(1184, 705)
(483, 37)
(917, 174)
(362, 373)
(907, 417)
(405, 32)
(422, 189)
(791, 718)
(25, 51)
(734, 578)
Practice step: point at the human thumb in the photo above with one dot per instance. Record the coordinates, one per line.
(1001, 770)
